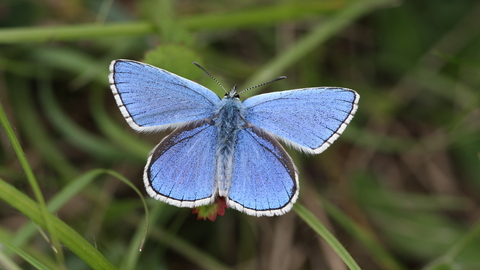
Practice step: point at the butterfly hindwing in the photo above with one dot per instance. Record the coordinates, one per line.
(264, 181)
(180, 170)
(153, 99)
(309, 119)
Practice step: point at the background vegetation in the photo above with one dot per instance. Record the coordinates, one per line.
(399, 189)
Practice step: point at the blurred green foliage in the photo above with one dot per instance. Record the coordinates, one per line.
(399, 189)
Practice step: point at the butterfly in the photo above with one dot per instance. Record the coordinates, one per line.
(226, 147)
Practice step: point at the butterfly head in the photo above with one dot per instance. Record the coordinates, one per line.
(232, 93)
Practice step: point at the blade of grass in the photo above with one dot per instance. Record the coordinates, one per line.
(68, 236)
(39, 253)
(33, 184)
(22, 254)
(365, 237)
(8, 263)
(321, 230)
(77, 32)
(258, 16)
(125, 180)
(75, 186)
(132, 255)
(68, 192)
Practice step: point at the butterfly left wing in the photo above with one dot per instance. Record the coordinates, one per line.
(181, 169)
(264, 180)
(153, 99)
(309, 119)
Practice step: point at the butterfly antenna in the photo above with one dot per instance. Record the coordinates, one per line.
(262, 84)
(213, 78)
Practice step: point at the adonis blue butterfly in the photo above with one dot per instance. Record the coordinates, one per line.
(226, 147)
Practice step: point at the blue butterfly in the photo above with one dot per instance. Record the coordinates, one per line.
(226, 147)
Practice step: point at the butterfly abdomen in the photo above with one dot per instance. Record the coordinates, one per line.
(228, 121)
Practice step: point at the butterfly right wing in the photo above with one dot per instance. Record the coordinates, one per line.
(153, 99)
(308, 119)
(181, 169)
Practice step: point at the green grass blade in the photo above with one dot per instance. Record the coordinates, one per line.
(321, 230)
(22, 254)
(67, 236)
(132, 254)
(255, 16)
(363, 236)
(8, 263)
(33, 184)
(73, 188)
(39, 253)
(77, 32)
(131, 185)
(67, 193)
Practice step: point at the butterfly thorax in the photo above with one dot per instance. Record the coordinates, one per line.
(229, 120)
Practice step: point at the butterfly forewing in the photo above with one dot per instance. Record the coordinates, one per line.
(264, 180)
(309, 119)
(153, 99)
(180, 170)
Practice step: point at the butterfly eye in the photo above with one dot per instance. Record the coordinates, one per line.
(236, 96)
